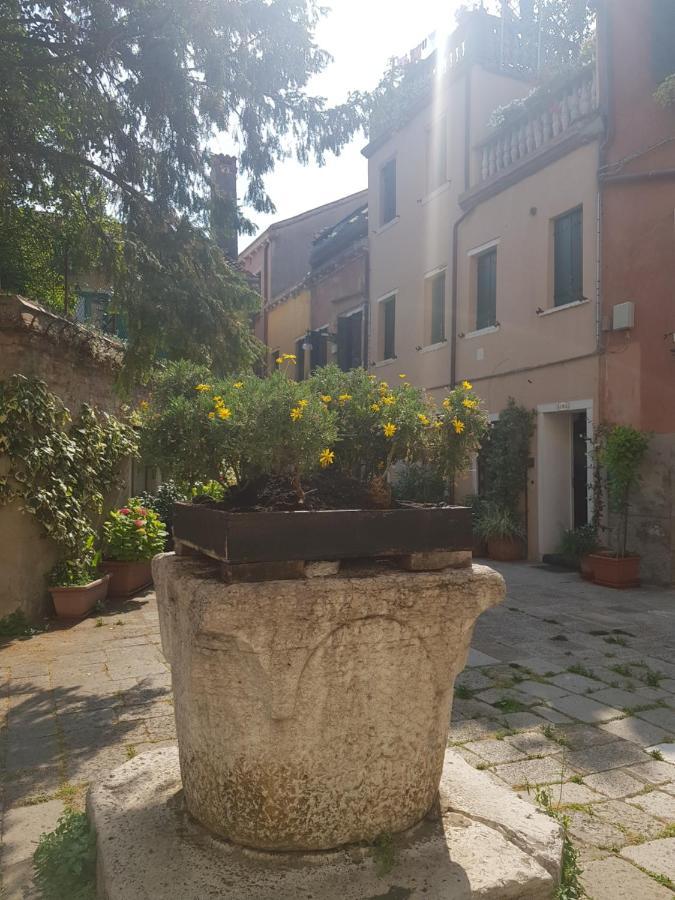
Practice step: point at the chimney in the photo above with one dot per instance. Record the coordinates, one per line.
(224, 204)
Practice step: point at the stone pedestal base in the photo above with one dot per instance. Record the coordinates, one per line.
(479, 840)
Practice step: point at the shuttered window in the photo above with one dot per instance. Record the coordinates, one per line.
(388, 191)
(350, 341)
(486, 290)
(388, 319)
(300, 360)
(437, 309)
(568, 258)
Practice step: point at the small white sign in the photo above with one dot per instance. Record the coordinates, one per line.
(563, 404)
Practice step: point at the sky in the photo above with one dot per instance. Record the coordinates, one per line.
(361, 35)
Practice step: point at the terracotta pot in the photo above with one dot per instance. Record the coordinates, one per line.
(74, 602)
(479, 547)
(586, 567)
(616, 571)
(127, 578)
(505, 549)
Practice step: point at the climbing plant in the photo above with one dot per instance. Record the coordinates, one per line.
(58, 468)
(504, 457)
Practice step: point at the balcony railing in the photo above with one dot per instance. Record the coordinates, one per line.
(542, 121)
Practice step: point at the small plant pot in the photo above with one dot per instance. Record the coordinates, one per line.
(75, 602)
(616, 571)
(127, 578)
(586, 567)
(505, 549)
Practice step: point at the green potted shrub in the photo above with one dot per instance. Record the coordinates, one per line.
(621, 454)
(502, 531)
(132, 535)
(576, 548)
(77, 585)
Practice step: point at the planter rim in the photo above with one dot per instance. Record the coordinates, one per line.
(610, 555)
(80, 587)
(125, 562)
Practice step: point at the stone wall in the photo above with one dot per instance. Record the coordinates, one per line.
(78, 366)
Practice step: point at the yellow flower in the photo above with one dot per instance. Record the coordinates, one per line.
(224, 412)
(388, 400)
(327, 458)
(212, 415)
(326, 398)
(470, 404)
(279, 360)
(447, 403)
(302, 403)
(217, 400)
(296, 413)
(203, 387)
(458, 425)
(389, 429)
(467, 385)
(402, 376)
(423, 419)
(375, 407)
(438, 423)
(290, 356)
(383, 387)
(373, 377)
(238, 384)
(343, 398)
(143, 404)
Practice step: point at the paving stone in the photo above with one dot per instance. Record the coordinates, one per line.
(495, 751)
(655, 856)
(476, 658)
(533, 742)
(32, 754)
(471, 729)
(472, 709)
(620, 699)
(552, 715)
(657, 804)
(541, 690)
(668, 685)
(531, 771)
(495, 694)
(23, 826)
(666, 750)
(636, 730)
(594, 831)
(523, 720)
(541, 665)
(577, 684)
(161, 729)
(616, 879)
(654, 771)
(473, 680)
(629, 819)
(570, 792)
(607, 756)
(663, 717)
(614, 783)
(584, 709)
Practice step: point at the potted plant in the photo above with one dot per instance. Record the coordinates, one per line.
(503, 532)
(576, 547)
(76, 585)
(621, 454)
(308, 465)
(132, 535)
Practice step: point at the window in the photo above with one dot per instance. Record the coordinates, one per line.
(318, 355)
(663, 39)
(388, 192)
(486, 289)
(388, 328)
(300, 359)
(434, 309)
(350, 341)
(568, 258)
(437, 155)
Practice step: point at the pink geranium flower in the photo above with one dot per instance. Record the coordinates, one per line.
(125, 511)
(139, 523)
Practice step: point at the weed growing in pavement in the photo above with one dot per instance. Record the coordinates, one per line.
(509, 705)
(667, 832)
(16, 625)
(559, 637)
(98, 623)
(577, 779)
(131, 751)
(505, 732)
(653, 679)
(578, 669)
(622, 670)
(631, 710)
(463, 693)
(384, 854)
(614, 639)
(570, 887)
(656, 754)
(554, 735)
(65, 860)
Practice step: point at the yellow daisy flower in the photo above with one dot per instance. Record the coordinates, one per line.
(326, 398)
(302, 403)
(470, 404)
(224, 412)
(296, 413)
(375, 407)
(238, 384)
(203, 387)
(289, 356)
(402, 376)
(423, 419)
(458, 425)
(389, 400)
(467, 385)
(212, 415)
(343, 398)
(327, 458)
(389, 429)
(279, 360)
(438, 423)
(447, 403)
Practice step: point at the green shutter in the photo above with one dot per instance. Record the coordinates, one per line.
(299, 360)
(568, 258)
(486, 295)
(343, 349)
(438, 309)
(390, 328)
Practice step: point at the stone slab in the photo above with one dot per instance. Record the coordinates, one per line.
(23, 826)
(658, 804)
(479, 841)
(614, 783)
(666, 750)
(656, 856)
(583, 708)
(607, 756)
(617, 879)
(636, 730)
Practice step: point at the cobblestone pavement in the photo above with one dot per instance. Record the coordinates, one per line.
(569, 685)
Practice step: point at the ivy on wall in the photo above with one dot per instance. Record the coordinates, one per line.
(58, 468)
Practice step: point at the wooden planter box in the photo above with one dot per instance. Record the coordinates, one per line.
(128, 578)
(76, 601)
(274, 537)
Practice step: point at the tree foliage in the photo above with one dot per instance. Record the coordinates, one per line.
(125, 98)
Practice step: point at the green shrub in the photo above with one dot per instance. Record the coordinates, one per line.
(162, 500)
(133, 533)
(79, 571)
(65, 860)
(419, 482)
(498, 522)
(622, 452)
(577, 543)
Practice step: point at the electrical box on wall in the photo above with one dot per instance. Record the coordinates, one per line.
(623, 316)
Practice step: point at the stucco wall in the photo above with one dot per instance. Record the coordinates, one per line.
(38, 344)
(287, 322)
